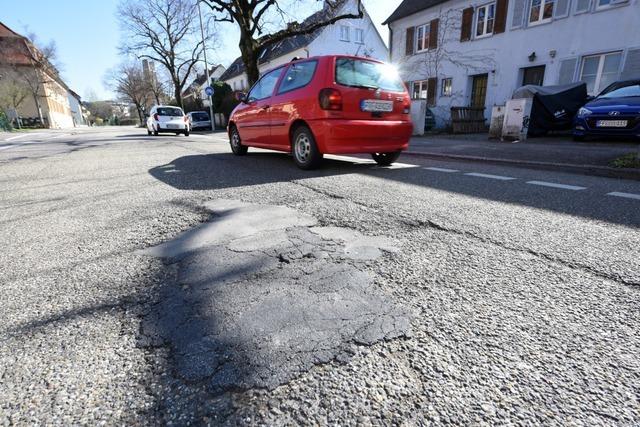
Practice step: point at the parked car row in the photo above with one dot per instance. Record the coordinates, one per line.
(170, 119)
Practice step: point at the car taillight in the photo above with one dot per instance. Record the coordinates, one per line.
(156, 117)
(406, 106)
(330, 99)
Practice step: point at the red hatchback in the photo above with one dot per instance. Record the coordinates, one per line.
(325, 105)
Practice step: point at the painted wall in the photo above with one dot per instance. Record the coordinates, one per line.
(502, 56)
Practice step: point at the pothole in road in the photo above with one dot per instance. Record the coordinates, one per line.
(262, 294)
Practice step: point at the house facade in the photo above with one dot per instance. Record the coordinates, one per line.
(347, 37)
(195, 91)
(476, 53)
(22, 65)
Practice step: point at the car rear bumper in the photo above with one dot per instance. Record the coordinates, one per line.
(340, 136)
(171, 127)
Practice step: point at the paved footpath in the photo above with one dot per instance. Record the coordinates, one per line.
(162, 280)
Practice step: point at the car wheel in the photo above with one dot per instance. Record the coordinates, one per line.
(385, 159)
(236, 143)
(305, 150)
(186, 133)
(155, 132)
(579, 138)
(148, 132)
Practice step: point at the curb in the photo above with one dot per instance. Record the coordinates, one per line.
(604, 171)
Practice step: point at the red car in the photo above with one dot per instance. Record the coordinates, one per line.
(325, 105)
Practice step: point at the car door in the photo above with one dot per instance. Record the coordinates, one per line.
(254, 117)
(292, 95)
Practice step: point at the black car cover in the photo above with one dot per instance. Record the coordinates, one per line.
(553, 107)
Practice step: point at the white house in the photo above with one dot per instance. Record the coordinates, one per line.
(196, 88)
(75, 105)
(477, 52)
(348, 36)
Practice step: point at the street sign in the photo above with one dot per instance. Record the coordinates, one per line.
(208, 90)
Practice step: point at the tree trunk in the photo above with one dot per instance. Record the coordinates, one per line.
(178, 93)
(37, 101)
(250, 51)
(140, 115)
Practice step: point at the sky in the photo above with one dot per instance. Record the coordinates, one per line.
(87, 35)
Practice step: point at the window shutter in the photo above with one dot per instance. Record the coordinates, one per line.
(583, 6)
(561, 9)
(631, 68)
(518, 13)
(433, 33)
(431, 91)
(567, 71)
(502, 6)
(467, 23)
(409, 48)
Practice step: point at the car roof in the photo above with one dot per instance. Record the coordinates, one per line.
(319, 57)
(166, 106)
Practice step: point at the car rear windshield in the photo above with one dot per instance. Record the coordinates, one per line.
(200, 117)
(367, 74)
(167, 111)
(623, 92)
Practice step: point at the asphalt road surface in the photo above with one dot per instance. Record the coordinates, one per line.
(162, 280)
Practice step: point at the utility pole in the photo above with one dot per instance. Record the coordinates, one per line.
(206, 65)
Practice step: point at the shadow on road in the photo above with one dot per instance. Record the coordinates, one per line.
(220, 171)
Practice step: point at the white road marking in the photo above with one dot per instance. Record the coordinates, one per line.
(20, 136)
(625, 195)
(7, 147)
(442, 170)
(485, 175)
(554, 185)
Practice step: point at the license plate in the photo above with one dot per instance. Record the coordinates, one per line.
(611, 123)
(172, 126)
(376, 105)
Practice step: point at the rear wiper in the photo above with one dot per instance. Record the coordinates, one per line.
(365, 87)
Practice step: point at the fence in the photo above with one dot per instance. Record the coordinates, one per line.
(468, 119)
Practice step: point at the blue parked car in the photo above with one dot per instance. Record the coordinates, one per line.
(615, 112)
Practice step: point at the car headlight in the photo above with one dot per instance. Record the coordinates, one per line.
(583, 112)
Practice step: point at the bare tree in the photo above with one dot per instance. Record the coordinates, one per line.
(13, 92)
(127, 80)
(252, 16)
(164, 31)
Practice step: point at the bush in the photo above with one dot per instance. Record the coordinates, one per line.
(631, 160)
(5, 124)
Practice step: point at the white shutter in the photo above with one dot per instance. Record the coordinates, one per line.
(631, 69)
(561, 9)
(518, 13)
(583, 6)
(567, 71)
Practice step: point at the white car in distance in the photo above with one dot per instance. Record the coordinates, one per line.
(167, 118)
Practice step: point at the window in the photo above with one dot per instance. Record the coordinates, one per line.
(264, 88)
(297, 76)
(485, 19)
(359, 36)
(422, 37)
(344, 33)
(541, 11)
(419, 90)
(368, 74)
(599, 71)
(446, 86)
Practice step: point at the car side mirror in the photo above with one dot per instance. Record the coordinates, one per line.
(590, 98)
(242, 97)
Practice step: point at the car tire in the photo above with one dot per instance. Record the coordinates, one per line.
(579, 138)
(155, 132)
(186, 133)
(236, 143)
(385, 159)
(148, 132)
(304, 149)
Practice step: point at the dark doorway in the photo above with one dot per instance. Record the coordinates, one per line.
(533, 75)
(479, 90)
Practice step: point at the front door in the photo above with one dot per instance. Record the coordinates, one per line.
(479, 90)
(253, 119)
(533, 76)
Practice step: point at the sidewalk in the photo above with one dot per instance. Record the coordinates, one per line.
(554, 153)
